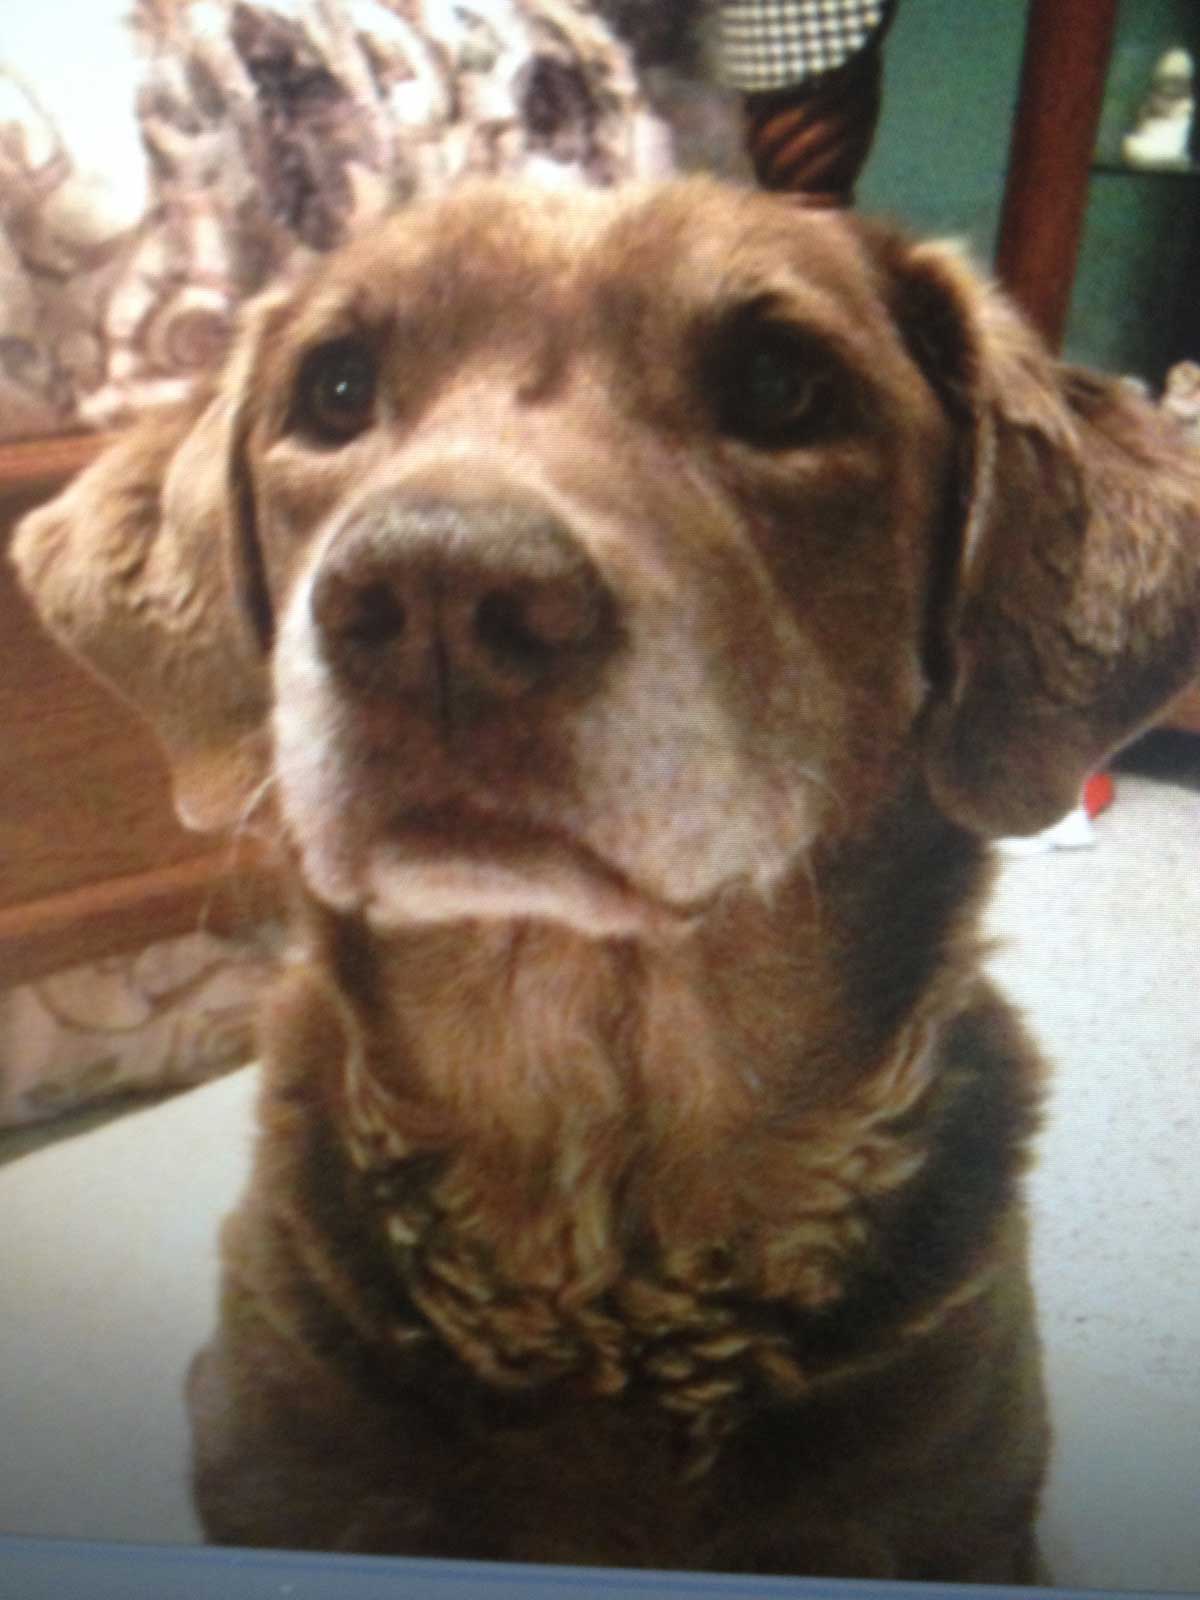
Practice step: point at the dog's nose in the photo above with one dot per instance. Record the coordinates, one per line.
(458, 607)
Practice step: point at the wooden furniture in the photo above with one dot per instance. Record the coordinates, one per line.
(92, 860)
(813, 142)
(1068, 44)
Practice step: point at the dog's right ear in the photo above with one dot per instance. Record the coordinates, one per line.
(1070, 604)
(146, 569)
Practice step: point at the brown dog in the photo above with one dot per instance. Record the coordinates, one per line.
(655, 601)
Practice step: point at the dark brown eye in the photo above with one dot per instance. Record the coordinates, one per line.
(336, 390)
(776, 388)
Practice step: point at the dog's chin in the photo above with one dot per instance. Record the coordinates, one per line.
(432, 869)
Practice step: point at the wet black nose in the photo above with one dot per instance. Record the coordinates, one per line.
(458, 608)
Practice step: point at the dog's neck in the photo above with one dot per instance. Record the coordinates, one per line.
(584, 1101)
(520, 1032)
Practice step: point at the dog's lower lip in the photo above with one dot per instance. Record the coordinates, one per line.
(467, 838)
(483, 837)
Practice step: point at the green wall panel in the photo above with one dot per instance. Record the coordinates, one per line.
(952, 70)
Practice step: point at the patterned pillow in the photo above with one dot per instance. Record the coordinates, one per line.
(270, 131)
(165, 1018)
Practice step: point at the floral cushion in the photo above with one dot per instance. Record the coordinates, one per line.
(164, 1018)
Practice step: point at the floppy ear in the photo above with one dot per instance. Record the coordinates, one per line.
(145, 568)
(1069, 611)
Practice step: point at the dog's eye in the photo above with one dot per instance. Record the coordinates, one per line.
(335, 393)
(775, 389)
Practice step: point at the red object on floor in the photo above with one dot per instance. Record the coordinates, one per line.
(1099, 791)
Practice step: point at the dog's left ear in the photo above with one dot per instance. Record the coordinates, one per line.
(1070, 604)
(145, 569)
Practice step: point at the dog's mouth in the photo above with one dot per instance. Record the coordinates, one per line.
(458, 863)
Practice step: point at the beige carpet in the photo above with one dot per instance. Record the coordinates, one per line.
(1103, 950)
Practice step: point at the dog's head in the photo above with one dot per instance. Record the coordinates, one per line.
(587, 556)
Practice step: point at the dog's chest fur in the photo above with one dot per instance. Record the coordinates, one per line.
(567, 1177)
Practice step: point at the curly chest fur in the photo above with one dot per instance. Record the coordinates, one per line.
(707, 1272)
